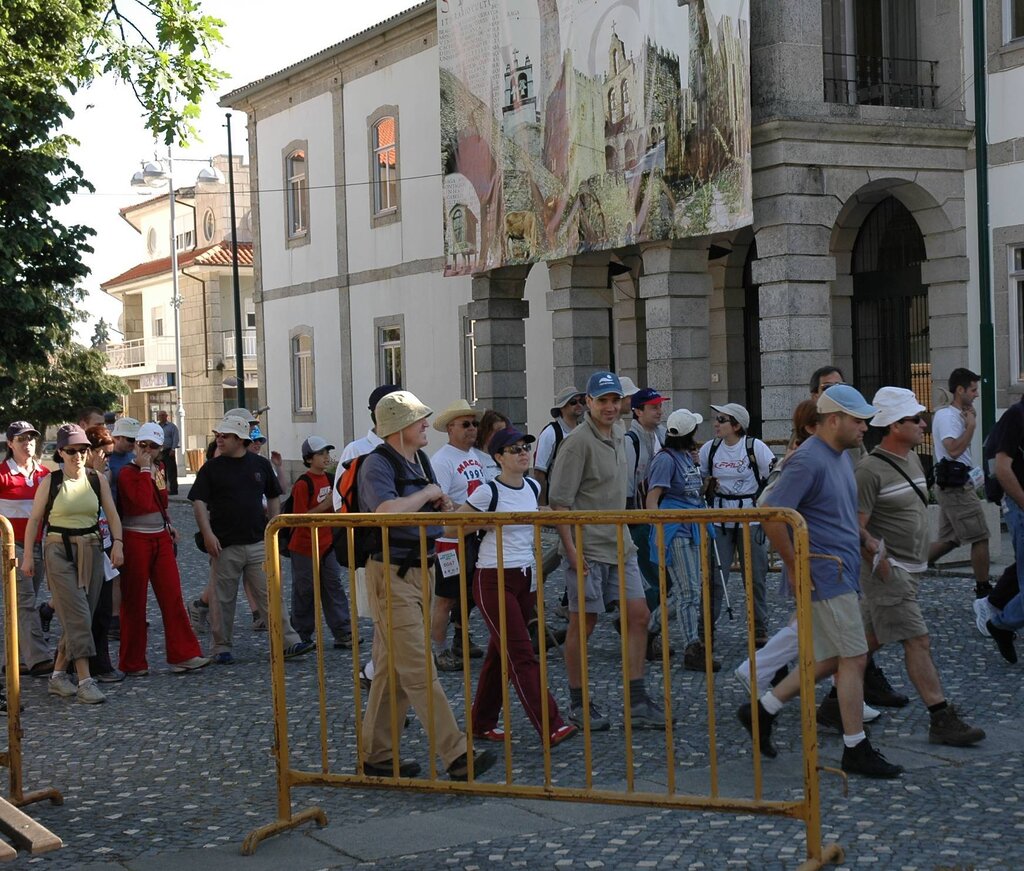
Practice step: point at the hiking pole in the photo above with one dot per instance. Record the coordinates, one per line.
(721, 578)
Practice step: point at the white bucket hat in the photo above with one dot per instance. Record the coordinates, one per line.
(893, 404)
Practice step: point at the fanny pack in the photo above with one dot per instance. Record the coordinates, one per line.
(952, 474)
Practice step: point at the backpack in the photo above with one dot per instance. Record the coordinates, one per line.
(284, 536)
(493, 504)
(993, 489)
(368, 539)
(57, 478)
(751, 458)
(559, 437)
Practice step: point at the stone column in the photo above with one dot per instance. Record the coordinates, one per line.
(499, 332)
(580, 304)
(630, 323)
(795, 273)
(676, 289)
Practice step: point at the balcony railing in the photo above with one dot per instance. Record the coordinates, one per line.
(248, 344)
(860, 80)
(141, 354)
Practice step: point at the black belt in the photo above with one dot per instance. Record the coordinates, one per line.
(404, 561)
(66, 534)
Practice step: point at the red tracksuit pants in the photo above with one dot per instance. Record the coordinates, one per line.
(523, 667)
(149, 558)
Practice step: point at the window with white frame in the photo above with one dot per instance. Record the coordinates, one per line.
(1017, 311)
(302, 371)
(468, 358)
(297, 192)
(185, 241)
(389, 354)
(1013, 20)
(385, 165)
(250, 314)
(158, 322)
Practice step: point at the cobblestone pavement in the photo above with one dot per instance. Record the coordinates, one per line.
(176, 769)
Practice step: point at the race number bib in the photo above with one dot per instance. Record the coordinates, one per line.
(447, 552)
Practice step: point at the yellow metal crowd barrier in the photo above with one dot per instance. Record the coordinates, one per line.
(673, 795)
(22, 829)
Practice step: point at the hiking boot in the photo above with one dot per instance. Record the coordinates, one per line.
(199, 614)
(948, 728)
(693, 658)
(61, 685)
(1004, 641)
(878, 691)
(868, 762)
(475, 652)
(89, 693)
(646, 714)
(343, 641)
(447, 660)
(828, 715)
(459, 769)
(598, 721)
(196, 662)
(655, 647)
(112, 676)
(765, 721)
(982, 614)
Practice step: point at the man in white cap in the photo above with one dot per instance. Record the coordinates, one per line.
(893, 512)
(817, 480)
(566, 411)
(227, 499)
(592, 475)
(124, 432)
(396, 478)
(459, 472)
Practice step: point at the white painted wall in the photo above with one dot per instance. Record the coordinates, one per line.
(411, 85)
(319, 310)
(1005, 120)
(313, 121)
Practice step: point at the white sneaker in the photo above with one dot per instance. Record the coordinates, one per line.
(870, 714)
(196, 662)
(743, 677)
(62, 685)
(89, 693)
(982, 614)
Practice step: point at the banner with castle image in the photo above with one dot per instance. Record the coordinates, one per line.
(570, 126)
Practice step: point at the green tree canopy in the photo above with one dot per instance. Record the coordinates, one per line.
(49, 49)
(52, 393)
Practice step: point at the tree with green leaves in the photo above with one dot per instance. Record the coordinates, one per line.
(49, 49)
(100, 334)
(52, 393)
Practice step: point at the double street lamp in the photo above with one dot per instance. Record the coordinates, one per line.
(154, 175)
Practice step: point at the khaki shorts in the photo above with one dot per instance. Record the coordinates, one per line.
(890, 608)
(601, 585)
(961, 516)
(838, 628)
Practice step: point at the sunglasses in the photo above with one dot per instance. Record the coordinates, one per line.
(915, 419)
(516, 450)
(577, 401)
(470, 424)
(25, 438)
(73, 451)
(721, 419)
(147, 446)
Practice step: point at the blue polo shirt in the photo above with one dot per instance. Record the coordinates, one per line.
(818, 482)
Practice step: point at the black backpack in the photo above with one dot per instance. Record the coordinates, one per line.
(559, 437)
(993, 489)
(57, 478)
(751, 458)
(368, 539)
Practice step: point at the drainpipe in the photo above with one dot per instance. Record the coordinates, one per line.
(986, 329)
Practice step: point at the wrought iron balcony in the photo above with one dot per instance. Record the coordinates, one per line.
(862, 80)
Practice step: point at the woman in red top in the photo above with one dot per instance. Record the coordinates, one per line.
(149, 558)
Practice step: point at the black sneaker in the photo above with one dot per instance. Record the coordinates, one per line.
(983, 591)
(765, 721)
(828, 715)
(878, 691)
(385, 769)
(868, 762)
(46, 613)
(1004, 641)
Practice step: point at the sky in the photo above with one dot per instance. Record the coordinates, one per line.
(258, 40)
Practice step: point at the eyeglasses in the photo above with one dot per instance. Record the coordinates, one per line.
(470, 424)
(148, 446)
(578, 400)
(516, 450)
(915, 419)
(721, 419)
(73, 451)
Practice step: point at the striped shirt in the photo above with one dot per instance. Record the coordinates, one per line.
(896, 513)
(17, 490)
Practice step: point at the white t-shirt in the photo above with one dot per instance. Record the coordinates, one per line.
(516, 541)
(491, 468)
(546, 445)
(732, 470)
(948, 423)
(458, 473)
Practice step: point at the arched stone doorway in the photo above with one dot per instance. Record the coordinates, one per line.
(890, 327)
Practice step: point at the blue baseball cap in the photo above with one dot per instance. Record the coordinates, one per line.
(847, 400)
(509, 436)
(647, 396)
(256, 435)
(603, 383)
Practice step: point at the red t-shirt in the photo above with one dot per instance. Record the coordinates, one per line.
(302, 540)
(17, 491)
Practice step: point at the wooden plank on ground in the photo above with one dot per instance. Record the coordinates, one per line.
(25, 832)
(7, 852)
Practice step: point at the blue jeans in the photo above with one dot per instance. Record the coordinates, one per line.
(1012, 616)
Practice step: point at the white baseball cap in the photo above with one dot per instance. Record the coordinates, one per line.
(150, 432)
(682, 422)
(127, 427)
(313, 445)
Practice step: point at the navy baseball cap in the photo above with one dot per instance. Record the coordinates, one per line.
(21, 427)
(380, 392)
(501, 440)
(646, 396)
(603, 383)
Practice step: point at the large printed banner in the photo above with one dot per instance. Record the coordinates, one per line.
(570, 126)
